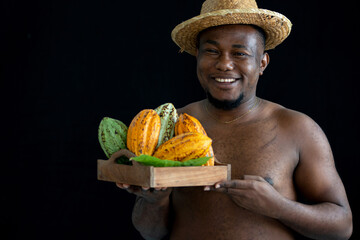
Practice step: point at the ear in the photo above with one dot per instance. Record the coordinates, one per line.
(264, 63)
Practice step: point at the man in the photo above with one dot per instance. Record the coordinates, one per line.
(284, 181)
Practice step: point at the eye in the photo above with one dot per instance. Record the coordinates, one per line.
(240, 54)
(211, 51)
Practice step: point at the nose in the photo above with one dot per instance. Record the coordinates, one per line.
(225, 63)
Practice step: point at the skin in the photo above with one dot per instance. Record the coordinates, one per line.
(306, 195)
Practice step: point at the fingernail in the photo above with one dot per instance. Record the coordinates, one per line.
(217, 186)
(207, 188)
(126, 185)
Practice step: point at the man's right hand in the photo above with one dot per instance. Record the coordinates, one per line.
(151, 195)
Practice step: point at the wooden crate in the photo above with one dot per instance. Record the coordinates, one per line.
(149, 176)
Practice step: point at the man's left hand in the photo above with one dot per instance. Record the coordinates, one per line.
(253, 193)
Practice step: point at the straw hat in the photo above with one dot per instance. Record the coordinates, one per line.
(222, 12)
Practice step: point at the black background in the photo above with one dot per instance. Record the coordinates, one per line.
(66, 64)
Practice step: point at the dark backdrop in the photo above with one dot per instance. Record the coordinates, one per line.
(66, 64)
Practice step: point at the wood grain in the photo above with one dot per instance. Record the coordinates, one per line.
(162, 176)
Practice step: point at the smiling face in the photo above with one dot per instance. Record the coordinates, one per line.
(230, 59)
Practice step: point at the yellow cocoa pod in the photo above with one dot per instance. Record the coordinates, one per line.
(143, 132)
(184, 147)
(188, 123)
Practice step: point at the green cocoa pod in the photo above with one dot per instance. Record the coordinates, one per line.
(112, 135)
(168, 118)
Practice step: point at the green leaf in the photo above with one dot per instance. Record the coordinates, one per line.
(156, 162)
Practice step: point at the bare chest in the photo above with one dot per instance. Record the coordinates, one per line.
(259, 148)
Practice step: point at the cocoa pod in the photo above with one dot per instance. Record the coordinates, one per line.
(188, 123)
(112, 135)
(143, 132)
(168, 118)
(183, 147)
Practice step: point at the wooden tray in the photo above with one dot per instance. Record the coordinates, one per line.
(148, 176)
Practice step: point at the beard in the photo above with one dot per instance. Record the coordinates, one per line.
(224, 104)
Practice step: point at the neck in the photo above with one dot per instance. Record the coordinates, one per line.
(228, 116)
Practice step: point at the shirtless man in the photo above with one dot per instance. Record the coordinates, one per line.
(283, 176)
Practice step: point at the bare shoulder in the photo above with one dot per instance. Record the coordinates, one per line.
(292, 122)
(193, 109)
(303, 133)
(315, 159)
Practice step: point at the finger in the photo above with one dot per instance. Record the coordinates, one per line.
(230, 191)
(232, 184)
(236, 191)
(122, 185)
(212, 187)
(129, 188)
(253, 177)
(258, 178)
(220, 189)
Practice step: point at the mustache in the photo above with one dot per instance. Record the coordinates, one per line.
(224, 104)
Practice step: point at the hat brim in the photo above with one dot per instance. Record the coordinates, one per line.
(276, 26)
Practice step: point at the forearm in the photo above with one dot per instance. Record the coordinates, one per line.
(151, 219)
(319, 221)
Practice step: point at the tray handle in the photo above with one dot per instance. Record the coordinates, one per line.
(122, 152)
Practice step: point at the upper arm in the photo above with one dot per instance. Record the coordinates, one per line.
(315, 176)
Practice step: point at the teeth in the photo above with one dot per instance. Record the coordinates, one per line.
(225, 80)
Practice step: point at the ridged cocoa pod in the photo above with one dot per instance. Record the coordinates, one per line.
(187, 123)
(112, 135)
(183, 147)
(143, 132)
(168, 118)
